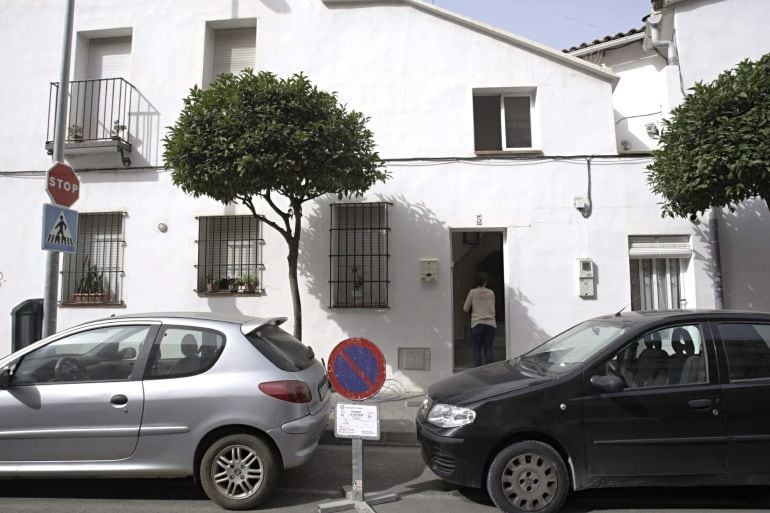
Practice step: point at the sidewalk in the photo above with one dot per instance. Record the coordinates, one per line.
(397, 413)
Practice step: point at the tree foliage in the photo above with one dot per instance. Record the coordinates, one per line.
(256, 135)
(715, 148)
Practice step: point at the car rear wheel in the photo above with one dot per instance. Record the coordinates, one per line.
(238, 471)
(528, 476)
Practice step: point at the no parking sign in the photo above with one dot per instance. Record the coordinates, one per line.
(356, 368)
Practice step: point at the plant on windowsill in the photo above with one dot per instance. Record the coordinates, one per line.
(233, 284)
(90, 286)
(250, 283)
(212, 284)
(358, 284)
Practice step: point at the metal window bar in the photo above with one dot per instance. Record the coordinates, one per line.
(229, 255)
(100, 110)
(359, 256)
(93, 275)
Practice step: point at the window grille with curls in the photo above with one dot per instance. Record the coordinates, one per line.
(229, 254)
(94, 273)
(359, 255)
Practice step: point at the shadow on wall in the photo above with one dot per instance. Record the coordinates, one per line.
(277, 6)
(745, 249)
(524, 332)
(143, 132)
(415, 232)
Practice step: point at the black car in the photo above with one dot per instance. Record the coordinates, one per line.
(632, 399)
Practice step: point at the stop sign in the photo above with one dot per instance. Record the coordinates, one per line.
(63, 184)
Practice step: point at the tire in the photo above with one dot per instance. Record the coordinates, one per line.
(528, 477)
(238, 471)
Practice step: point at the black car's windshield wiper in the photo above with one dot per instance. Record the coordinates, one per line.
(530, 366)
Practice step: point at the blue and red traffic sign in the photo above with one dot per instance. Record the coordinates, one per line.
(356, 368)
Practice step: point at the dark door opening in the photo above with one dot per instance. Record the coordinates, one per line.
(474, 251)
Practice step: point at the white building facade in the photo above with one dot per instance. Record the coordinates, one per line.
(506, 156)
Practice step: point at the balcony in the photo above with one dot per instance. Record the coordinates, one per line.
(99, 120)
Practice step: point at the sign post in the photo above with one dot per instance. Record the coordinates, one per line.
(357, 372)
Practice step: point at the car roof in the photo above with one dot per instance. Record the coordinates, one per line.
(654, 316)
(247, 323)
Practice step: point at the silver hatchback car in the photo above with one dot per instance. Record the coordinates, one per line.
(230, 400)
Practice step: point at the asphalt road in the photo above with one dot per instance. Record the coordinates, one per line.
(396, 470)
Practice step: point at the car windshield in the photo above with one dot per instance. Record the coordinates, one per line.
(570, 348)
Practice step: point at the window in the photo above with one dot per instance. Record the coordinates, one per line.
(658, 266)
(359, 255)
(230, 49)
(502, 121)
(102, 354)
(748, 350)
(94, 273)
(230, 254)
(184, 351)
(669, 356)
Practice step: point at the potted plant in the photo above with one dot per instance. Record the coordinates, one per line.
(358, 283)
(212, 284)
(117, 129)
(90, 287)
(233, 284)
(75, 133)
(250, 283)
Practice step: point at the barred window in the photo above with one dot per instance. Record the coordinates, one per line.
(359, 255)
(230, 254)
(94, 273)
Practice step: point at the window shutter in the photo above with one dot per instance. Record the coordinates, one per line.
(109, 58)
(677, 246)
(234, 50)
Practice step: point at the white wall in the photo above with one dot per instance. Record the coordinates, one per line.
(413, 72)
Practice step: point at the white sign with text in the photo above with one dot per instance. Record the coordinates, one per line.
(357, 421)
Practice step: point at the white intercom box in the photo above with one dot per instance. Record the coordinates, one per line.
(586, 279)
(428, 270)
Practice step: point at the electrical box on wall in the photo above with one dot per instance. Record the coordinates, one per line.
(586, 278)
(428, 270)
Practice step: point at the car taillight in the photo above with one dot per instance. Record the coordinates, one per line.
(291, 391)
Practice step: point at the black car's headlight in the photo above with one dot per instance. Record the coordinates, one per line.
(449, 416)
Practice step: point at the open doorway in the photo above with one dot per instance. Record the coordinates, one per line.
(473, 251)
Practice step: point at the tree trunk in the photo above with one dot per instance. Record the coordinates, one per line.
(294, 284)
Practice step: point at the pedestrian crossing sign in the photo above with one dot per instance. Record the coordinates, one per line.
(60, 229)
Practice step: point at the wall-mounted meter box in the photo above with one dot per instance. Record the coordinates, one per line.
(586, 279)
(428, 270)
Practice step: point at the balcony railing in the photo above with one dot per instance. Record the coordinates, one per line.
(99, 115)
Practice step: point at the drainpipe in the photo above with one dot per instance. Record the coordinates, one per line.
(653, 40)
(716, 259)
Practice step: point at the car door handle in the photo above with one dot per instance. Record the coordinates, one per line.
(700, 404)
(119, 400)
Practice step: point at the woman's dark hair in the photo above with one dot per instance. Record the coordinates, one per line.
(481, 278)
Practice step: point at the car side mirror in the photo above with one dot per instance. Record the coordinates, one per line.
(5, 378)
(127, 353)
(608, 383)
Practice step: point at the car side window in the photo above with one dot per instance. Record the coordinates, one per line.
(183, 351)
(101, 354)
(748, 349)
(668, 356)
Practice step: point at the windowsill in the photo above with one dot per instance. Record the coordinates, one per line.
(227, 293)
(378, 306)
(509, 152)
(72, 304)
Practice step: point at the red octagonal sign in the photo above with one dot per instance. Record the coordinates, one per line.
(63, 184)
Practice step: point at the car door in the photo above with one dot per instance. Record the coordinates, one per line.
(745, 346)
(76, 398)
(668, 420)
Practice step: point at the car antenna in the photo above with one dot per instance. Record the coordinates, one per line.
(617, 314)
